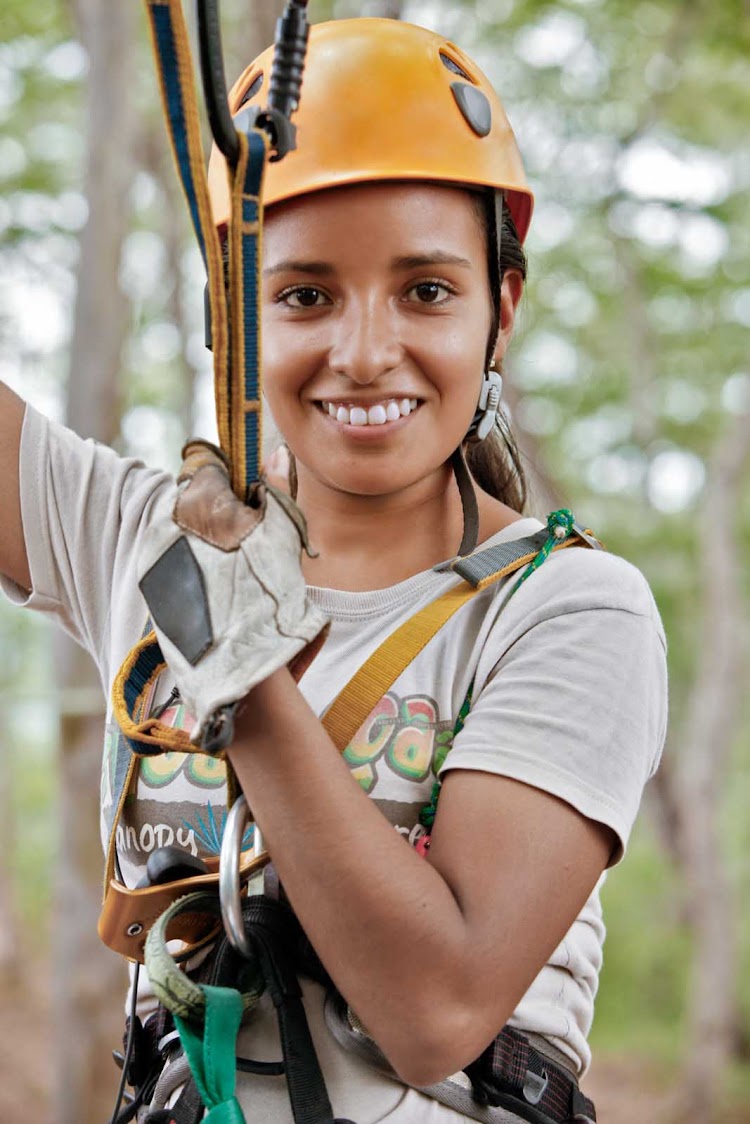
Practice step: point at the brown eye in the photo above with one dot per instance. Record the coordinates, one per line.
(430, 292)
(303, 296)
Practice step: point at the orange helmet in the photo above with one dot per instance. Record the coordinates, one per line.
(384, 100)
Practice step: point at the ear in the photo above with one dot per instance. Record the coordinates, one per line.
(511, 292)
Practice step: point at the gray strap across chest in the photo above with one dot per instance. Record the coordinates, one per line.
(474, 568)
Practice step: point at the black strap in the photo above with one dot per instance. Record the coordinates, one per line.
(468, 502)
(274, 933)
(511, 1073)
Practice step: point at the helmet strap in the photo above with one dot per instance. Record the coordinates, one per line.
(468, 502)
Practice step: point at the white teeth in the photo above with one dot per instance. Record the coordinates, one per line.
(382, 412)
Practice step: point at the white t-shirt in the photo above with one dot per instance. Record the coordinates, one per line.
(568, 674)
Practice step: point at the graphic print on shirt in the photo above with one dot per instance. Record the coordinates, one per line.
(406, 735)
(180, 798)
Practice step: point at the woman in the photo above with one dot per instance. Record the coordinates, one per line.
(389, 294)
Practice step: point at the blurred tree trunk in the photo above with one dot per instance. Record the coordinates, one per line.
(705, 741)
(89, 980)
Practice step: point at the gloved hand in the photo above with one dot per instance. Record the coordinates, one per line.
(224, 585)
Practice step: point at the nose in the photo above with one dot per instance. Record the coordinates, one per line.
(365, 340)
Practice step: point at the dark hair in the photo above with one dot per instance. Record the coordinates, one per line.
(495, 463)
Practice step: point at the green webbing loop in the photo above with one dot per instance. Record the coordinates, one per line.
(212, 1055)
(560, 526)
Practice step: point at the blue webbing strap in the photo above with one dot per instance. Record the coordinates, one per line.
(237, 393)
(245, 250)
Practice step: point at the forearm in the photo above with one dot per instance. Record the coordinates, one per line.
(383, 921)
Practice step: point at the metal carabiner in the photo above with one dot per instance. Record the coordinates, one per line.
(229, 873)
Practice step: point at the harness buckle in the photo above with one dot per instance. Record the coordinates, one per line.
(535, 1086)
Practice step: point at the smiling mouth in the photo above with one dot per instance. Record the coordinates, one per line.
(379, 413)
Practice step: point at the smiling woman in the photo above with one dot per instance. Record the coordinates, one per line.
(391, 311)
(443, 722)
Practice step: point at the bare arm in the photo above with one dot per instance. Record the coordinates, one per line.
(13, 561)
(432, 955)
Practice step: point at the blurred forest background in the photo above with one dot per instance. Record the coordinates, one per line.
(628, 385)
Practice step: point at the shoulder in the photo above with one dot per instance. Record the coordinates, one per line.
(574, 579)
(578, 603)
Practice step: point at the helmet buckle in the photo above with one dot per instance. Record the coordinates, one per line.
(488, 406)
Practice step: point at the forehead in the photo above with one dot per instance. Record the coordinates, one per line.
(379, 216)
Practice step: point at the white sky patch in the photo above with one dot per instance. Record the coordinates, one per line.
(575, 305)
(597, 433)
(11, 85)
(683, 402)
(40, 317)
(145, 191)
(55, 142)
(585, 72)
(204, 408)
(547, 360)
(736, 307)
(673, 312)
(651, 170)
(735, 393)
(661, 73)
(552, 225)
(13, 159)
(73, 210)
(704, 241)
(142, 265)
(552, 41)
(655, 225)
(617, 472)
(152, 434)
(160, 342)
(67, 61)
(539, 415)
(675, 477)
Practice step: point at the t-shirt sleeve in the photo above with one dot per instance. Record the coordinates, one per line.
(82, 506)
(570, 694)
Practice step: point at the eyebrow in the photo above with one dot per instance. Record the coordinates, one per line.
(409, 261)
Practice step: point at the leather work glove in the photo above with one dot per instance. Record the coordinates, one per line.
(224, 585)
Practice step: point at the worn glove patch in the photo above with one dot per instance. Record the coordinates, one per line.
(176, 594)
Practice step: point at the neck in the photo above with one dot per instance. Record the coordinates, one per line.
(371, 542)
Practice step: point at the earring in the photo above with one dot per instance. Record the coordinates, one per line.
(489, 402)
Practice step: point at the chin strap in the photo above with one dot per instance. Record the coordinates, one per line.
(468, 502)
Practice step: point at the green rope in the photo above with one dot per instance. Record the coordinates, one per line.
(560, 526)
(212, 1054)
(429, 811)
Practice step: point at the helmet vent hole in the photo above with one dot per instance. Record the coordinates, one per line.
(252, 89)
(452, 65)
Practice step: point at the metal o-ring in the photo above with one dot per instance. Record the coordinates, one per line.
(134, 930)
